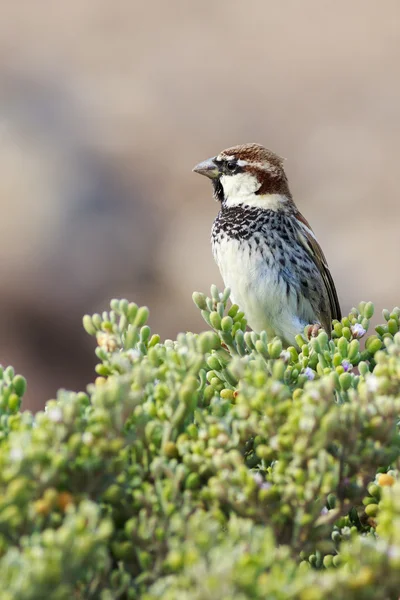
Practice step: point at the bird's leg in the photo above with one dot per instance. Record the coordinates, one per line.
(313, 330)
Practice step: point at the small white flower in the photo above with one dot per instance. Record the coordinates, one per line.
(347, 366)
(307, 423)
(107, 341)
(87, 438)
(266, 485)
(133, 353)
(309, 373)
(16, 454)
(346, 532)
(55, 414)
(276, 387)
(274, 442)
(372, 383)
(393, 552)
(263, 485)
(358, 330)
(258, 479)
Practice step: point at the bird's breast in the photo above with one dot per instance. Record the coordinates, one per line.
(248, 268)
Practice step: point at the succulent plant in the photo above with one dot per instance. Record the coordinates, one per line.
(219, 464)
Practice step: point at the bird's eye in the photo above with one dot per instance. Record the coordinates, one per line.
(231, 165)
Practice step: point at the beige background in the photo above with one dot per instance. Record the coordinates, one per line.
(106, 106)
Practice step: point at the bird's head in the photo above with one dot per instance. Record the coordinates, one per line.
(247, 175)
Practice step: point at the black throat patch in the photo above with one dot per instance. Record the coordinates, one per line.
(218, 189)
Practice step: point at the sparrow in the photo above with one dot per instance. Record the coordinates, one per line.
(265, 249)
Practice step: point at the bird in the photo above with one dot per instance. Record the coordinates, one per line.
(266, 251)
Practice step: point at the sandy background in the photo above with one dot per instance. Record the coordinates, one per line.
(105, 107)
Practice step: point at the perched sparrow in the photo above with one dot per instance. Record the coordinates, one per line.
(265, 249)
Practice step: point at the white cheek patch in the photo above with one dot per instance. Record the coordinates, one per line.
(266, 201)
(240, 185)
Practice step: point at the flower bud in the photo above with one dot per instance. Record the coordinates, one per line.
(215, 320)
(275, 348)
(372, 510)
(208, 341)
(342, 346)
(368, 310)
(88, 325)
(200, 300)
(19, 384)
(373, 344)
(393, 326)
(345, 380)
(141, 316)
(226, 323)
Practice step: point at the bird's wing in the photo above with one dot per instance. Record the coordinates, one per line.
(308, 240)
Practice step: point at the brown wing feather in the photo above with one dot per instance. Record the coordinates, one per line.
(319, 258)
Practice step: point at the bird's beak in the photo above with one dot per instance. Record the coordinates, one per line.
(207, 168)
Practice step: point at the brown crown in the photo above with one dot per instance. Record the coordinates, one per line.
(273, 180)
(254, 153)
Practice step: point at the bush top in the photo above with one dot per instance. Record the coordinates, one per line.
(218, 465)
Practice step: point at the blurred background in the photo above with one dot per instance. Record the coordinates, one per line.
(105, 107)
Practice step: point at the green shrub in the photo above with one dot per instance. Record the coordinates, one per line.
(219, 465)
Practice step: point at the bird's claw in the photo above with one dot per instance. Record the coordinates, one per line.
(313, 330)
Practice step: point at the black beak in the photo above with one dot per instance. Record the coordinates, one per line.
(207, 168)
